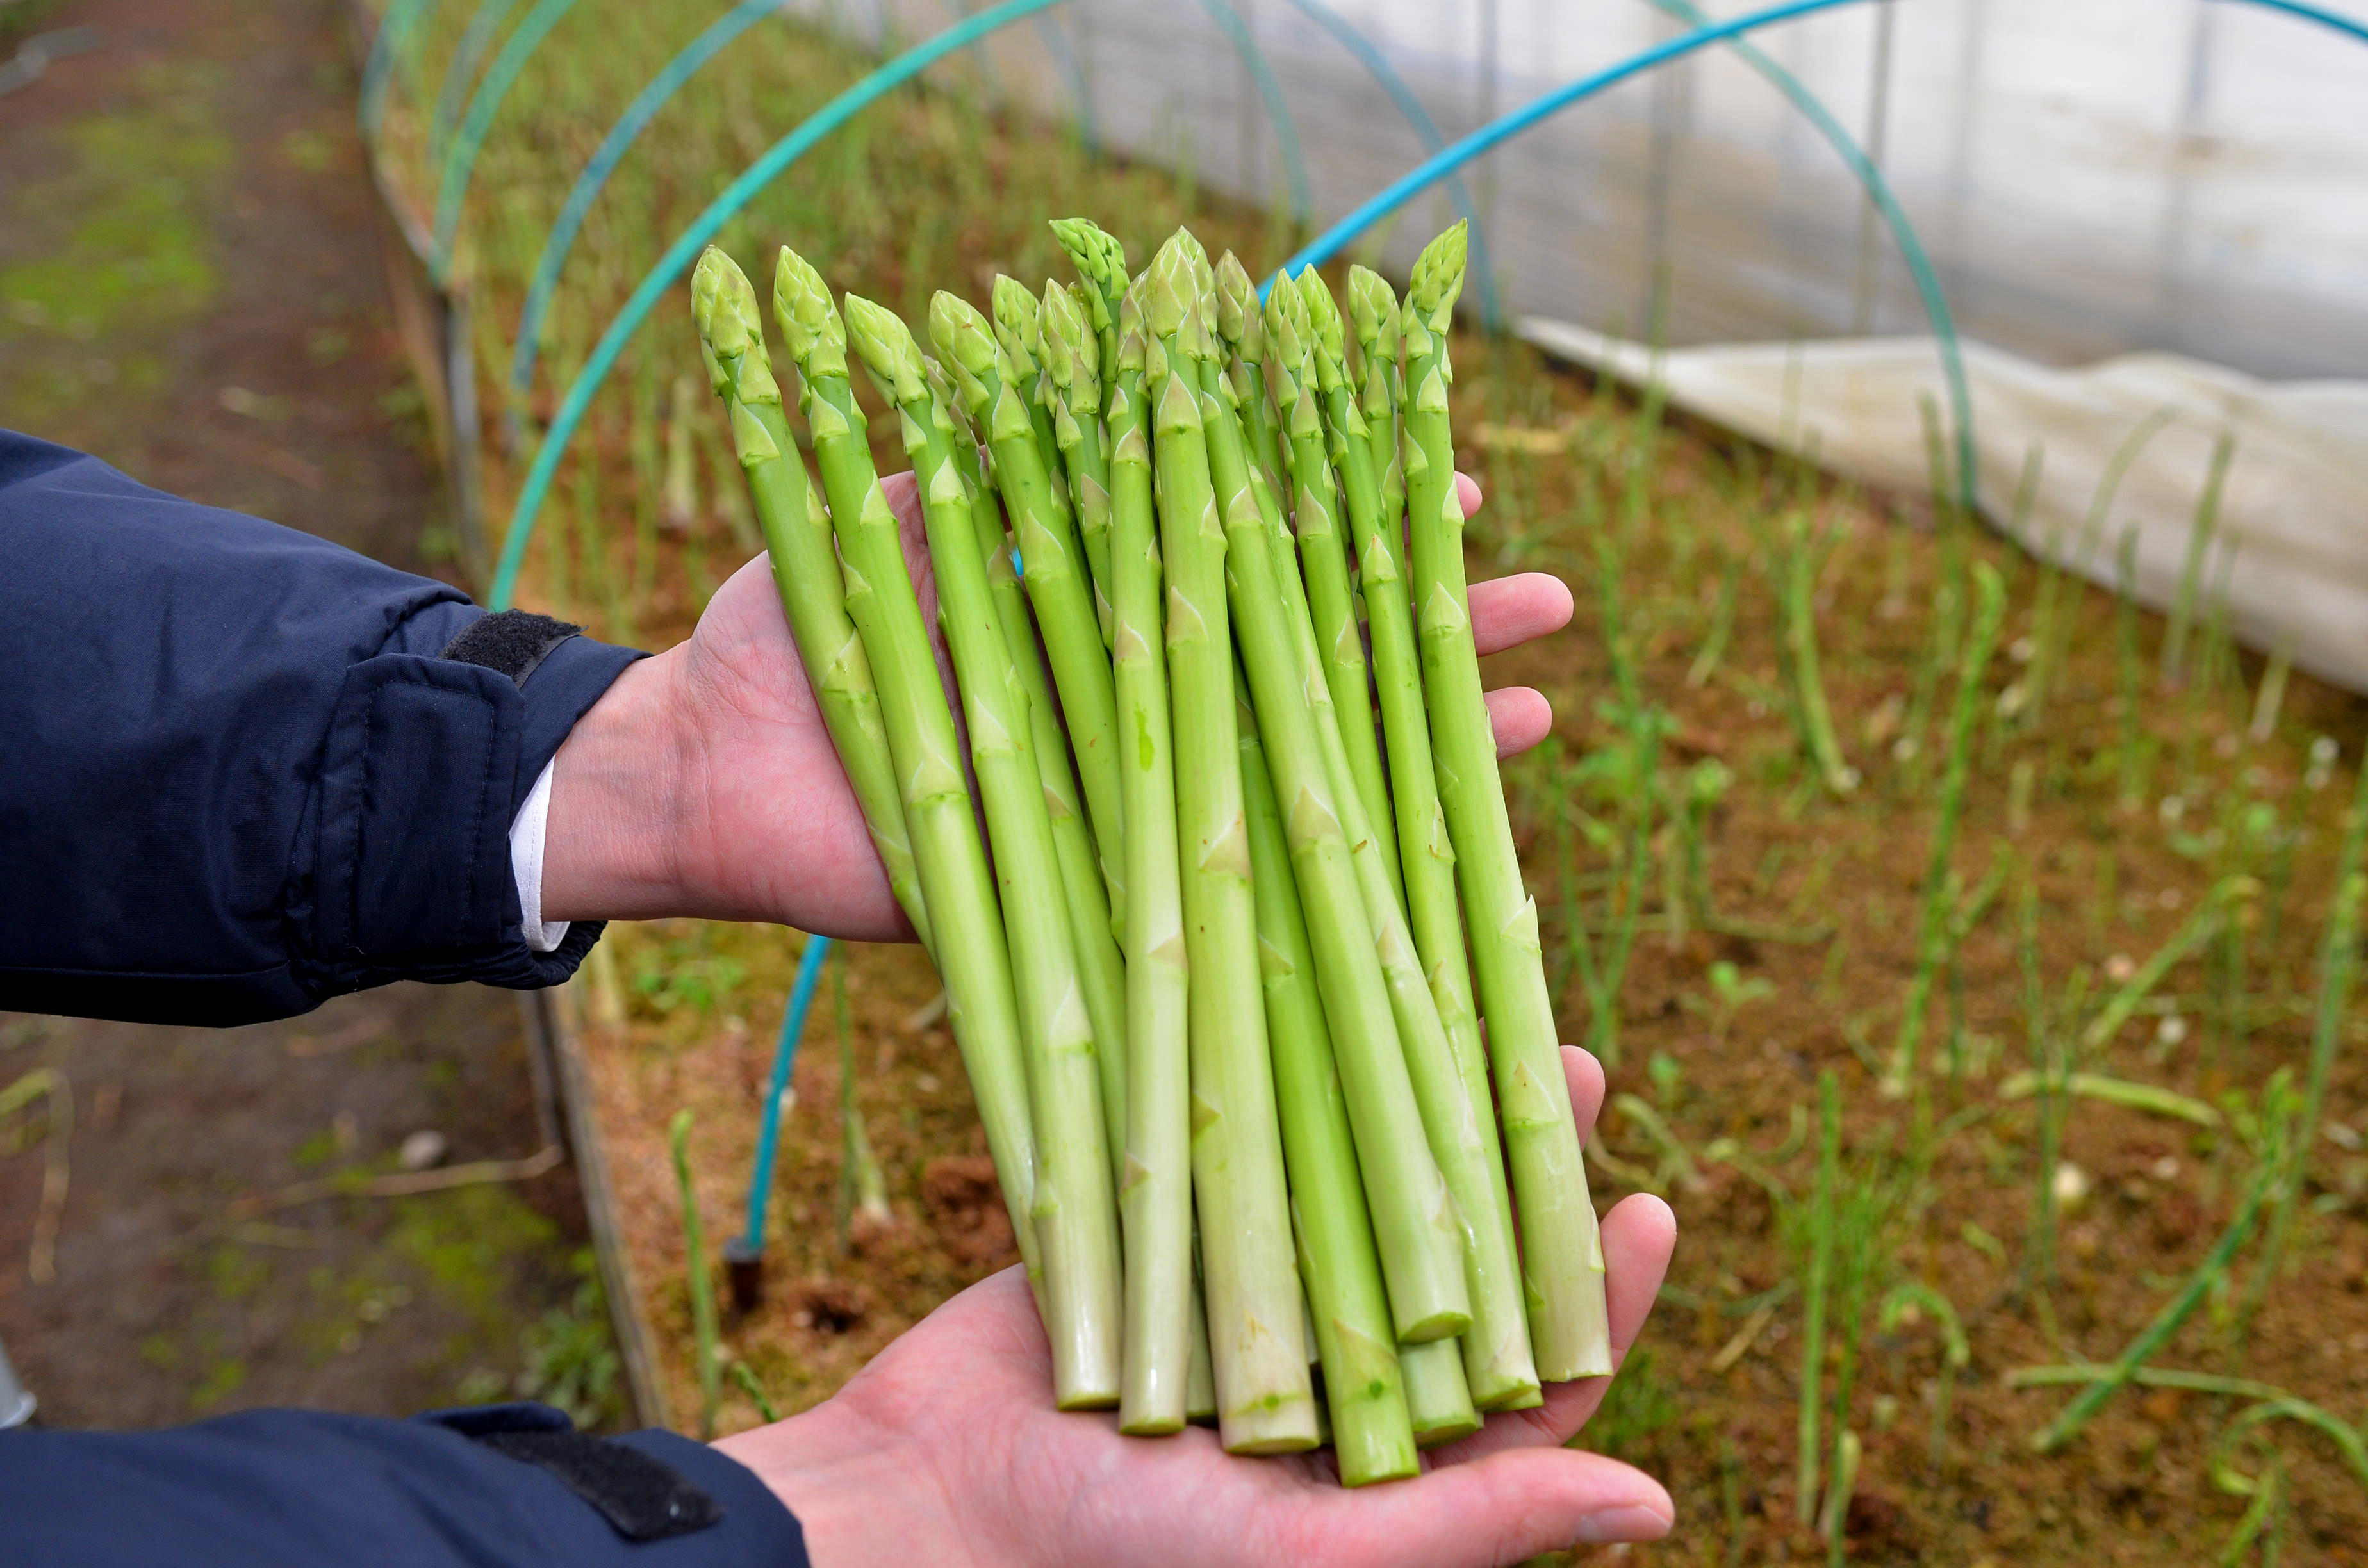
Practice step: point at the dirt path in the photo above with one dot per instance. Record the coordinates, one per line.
(190, 288)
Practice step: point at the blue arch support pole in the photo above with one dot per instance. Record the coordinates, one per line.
(1453, 156)
(2357, 30)
(769, 1124)
(1911, 246)
(1278, 109)
(1073, 72)
(561, 241)
(461, 155)
(1377, 65)
(686, 249)
(462, 70)
(378, 67)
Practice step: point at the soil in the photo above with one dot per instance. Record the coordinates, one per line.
(191, 287)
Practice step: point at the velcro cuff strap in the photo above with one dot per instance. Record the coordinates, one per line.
(643, 1498)
(511, 640)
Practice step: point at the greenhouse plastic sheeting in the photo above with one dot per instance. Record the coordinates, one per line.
(2091, 176)
(2294, 504)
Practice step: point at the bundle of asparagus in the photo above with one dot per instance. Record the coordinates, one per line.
(1224, 951)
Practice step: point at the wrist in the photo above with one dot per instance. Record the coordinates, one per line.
(612, 840)
(860, 1498)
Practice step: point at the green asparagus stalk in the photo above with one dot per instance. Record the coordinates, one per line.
(1156, 1198)
(1370, 1433)
(1200, 1382)
(1498, 1365)
(1561, 1253)
(1307, 370)
(1072, 386)
(952, 862)
(1101, 969)
(1241, 328)
(1381, 388)
(1021, 331)
(993, 386)
(1437, 1396)
(1414, 1222)
(1266, 1400)
(1100, 261)
(805, 569)
(1076, 1215)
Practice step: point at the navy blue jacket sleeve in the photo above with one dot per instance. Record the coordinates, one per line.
(236, 779)
(297, 1489)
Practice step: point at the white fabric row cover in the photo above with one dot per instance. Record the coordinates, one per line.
(2294, 507)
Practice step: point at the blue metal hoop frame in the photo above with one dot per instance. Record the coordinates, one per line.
(1322, 248)
(1277, 107)
(1377, 65)
(768, 1119)
(462, 70)
(378, 67)
(686, 249)
(461, 154)
(1903, 232)
(561, 241)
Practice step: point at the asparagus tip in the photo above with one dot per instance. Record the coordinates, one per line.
(723, 304)
(1097, 254)
(1238, 324)
(1016, 325)
(886, 344)
(1439, 275)
(1129, 327)
(1172, 291)
(961, 334)
(810, 323)
(1072, 355)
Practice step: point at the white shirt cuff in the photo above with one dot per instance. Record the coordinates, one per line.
(526, 865)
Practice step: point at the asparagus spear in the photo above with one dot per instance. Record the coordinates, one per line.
(1100, 261)
(1495, 1349)
(1073, 387)
(1413, 1219)
(1303, 374)
(1497, 1359)
(1266, 1400)
(994, 391)
(1373, 307)
(955, 884)
(1561, 1253)
(1242, 329)
(805, 571)
(1366, 1398)
(1020, 331)
(1101, 969)
(1156, 1198)
(1076, 1215)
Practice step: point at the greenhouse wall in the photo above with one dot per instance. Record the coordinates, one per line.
(2091, 176)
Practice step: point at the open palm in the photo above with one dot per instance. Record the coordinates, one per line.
(947, 1451)
(757, 820)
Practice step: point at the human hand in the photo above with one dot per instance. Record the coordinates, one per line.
(946, 1449)
(703, 782)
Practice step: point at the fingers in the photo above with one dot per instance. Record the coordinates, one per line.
(1506, 613)
(1585, 1076)
(1505, 1508)
(1468, 491)
(1520, 717)
(1510, 611)
(1639, 1235)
